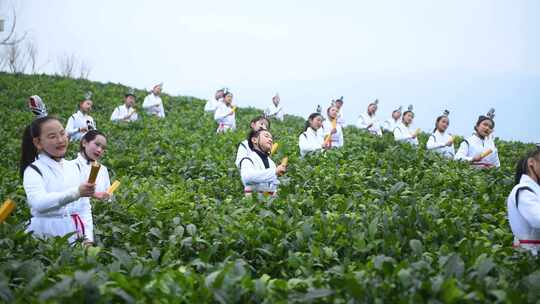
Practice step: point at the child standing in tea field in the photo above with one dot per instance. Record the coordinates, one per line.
(214, 100)
(81, 122)
(390, 124)
(523, 203)
(332, 130)
(368, 121)
(440, 141)
(275, 109)
(92, 147)
(258, 172)
(152, 104)
(403, 131)
(479, 149)
(225, 114)
(126, 112)
(312, 139)
(257, 123)
(52, 185)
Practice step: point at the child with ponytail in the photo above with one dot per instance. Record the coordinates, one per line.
(52, 185)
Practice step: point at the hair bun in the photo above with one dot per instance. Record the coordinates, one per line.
(410, 108)
(491, 113)
(446, 113)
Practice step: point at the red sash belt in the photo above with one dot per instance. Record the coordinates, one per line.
(79, 225)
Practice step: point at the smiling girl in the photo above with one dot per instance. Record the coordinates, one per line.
(440, 141)
(332, 128)
(52, 185)
(92, 147)
(479, 149)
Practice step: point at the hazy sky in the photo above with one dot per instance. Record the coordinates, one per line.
(465, 56)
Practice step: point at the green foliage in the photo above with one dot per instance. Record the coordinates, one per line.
(372, 222)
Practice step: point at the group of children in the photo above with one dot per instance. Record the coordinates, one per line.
(58, 190)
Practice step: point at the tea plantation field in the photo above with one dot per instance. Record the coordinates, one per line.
(373, 222)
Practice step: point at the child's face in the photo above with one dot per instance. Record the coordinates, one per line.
(53, 139)
(316, 123)
(86, 106)
(228, 99)
(485, 128)
(396, 115)
(332, 113)
(130, 101)
(261, 124)
(95, 148)
(408, 118)
(264, 141)
(443, 124)
(372, 109)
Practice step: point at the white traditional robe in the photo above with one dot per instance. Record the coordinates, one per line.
(154, 105)
(437, 142)
(256, 178)
(211, 104)
(336, 138)
(77, 121)
(390, 124)
(243, 151)
(310, 141)
(83, 206)
(405, 134)
(225, 121)
(52, 195)
(121, 112)
(524, 214)
(364, 120)
(275, 111)
(473, 146)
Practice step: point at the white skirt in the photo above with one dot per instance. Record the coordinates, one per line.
(51, 226)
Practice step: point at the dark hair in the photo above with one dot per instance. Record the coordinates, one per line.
(439, 119)
(481, 118)
(521, 166)
(259, 118)
(90, 136)
(408, 111)
(29, 151)
(311, 117)
(254, 133)
(228, 93)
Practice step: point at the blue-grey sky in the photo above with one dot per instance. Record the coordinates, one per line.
(465, 56)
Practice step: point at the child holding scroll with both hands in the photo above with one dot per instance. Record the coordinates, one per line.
(53, 186)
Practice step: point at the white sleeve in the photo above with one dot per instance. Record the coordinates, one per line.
(463, 151)
(386, 125)
(529, 207)
(104, 181)
(250, 175)
(361, 122)
(41, 200)
(70, 126)
(148, 103)
(210, 105)
(431, 144)
(399, 136)
(115, 115)
(327, 128)
(240, 154)
(221, 112)
(307, 146)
